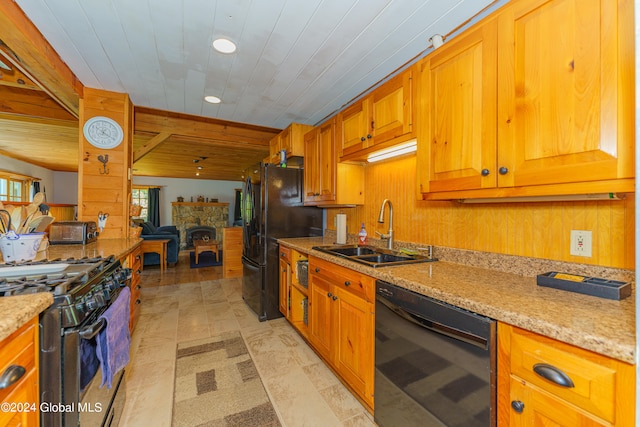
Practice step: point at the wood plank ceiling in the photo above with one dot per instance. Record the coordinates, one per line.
(297, 61)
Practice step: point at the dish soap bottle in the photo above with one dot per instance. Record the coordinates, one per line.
(362, 236)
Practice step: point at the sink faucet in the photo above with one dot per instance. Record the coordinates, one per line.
(389, 235)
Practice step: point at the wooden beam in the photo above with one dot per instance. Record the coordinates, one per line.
(33, 103)
(30, 52)
(150, 145)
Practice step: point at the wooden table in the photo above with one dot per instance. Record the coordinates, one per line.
(204, 246)
(158, 246)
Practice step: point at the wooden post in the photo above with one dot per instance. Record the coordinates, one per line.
(106, 187)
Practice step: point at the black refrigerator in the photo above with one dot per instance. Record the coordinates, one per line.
(272, 208)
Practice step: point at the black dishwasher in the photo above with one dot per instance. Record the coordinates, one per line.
(435, 363)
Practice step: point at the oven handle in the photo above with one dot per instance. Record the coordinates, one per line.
(92, 330)
(436, 327)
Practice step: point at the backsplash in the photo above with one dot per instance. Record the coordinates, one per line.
(539, 230)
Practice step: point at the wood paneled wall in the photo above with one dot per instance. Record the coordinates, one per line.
(539, 230)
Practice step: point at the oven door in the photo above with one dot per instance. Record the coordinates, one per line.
(86, 402)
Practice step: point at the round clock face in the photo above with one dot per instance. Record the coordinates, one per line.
(103, 132)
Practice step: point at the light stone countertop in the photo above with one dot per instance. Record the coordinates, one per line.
(15, 311)
(597, 324)
(18, 310)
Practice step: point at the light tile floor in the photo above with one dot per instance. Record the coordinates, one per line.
(304, 392)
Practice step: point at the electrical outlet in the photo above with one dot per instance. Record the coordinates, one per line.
(581, 243)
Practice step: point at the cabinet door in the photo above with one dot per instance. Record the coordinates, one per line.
(353, 130)
(311, 167)
(285, 284)
(561, 91)
(391, 114)
(320, 303)
(459, 80)
(327, 148)
(353, 343)
(542, 409)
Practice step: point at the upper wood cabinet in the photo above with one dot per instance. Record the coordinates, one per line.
(327, 182)
(535, 100)
(383, 118)
(457, 113)
(290, 139)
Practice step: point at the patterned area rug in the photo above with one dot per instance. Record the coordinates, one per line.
(217, 384)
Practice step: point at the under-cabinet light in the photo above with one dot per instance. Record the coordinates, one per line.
(396, 150)
(555, 198)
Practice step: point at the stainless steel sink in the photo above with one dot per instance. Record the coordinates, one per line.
(372, 256)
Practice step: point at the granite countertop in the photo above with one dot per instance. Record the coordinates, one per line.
(600, 325)
(17, 310)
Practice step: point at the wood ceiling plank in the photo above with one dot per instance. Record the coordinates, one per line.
(38, 57)
(34, 103)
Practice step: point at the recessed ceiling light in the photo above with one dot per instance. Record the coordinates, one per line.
(212, 99)
(224, 45)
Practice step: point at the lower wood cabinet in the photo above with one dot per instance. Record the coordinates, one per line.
(342, 322)
(20, 399)
(542, 381)
(294, 297)
(134, 262)
(232, 252)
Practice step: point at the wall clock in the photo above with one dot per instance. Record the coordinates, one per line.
(103, 132)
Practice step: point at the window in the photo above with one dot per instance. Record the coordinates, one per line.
(140, 196)
(14, 188)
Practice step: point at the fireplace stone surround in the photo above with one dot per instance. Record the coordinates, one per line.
(187, 215)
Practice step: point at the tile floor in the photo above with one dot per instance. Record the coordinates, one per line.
(185, 304)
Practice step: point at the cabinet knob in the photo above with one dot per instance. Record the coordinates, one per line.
(139, 287)
(11, 375)
(347, 283)
(503, 171)
(485, 172)
(334, 297)
(362, 138)
(317, 269)
(284, 270)
(369, 135)
(282, 254)
(329, 294)
(138, 301)
(517, 406)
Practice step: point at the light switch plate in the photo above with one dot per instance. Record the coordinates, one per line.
(581, 243)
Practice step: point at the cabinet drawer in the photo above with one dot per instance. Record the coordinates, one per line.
(18, 349)
(285, 254)
(349, 280)
(594, 377)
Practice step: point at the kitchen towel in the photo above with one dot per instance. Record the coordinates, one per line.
(114, 340)
(341, 227)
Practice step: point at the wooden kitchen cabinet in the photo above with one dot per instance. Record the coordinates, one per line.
(341, 323)
(457, 117)
(562, 121)
(21, 348)
(291, 140)
(134, 262)
(232, 252)
(601, 392)
(383, 118)
(293, 289)
(327, 182)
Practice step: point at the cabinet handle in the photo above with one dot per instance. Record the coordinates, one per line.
(485, 172)
(347, 283)
(11, 375)
(553, 374)
(517, 406)
(503, 171)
